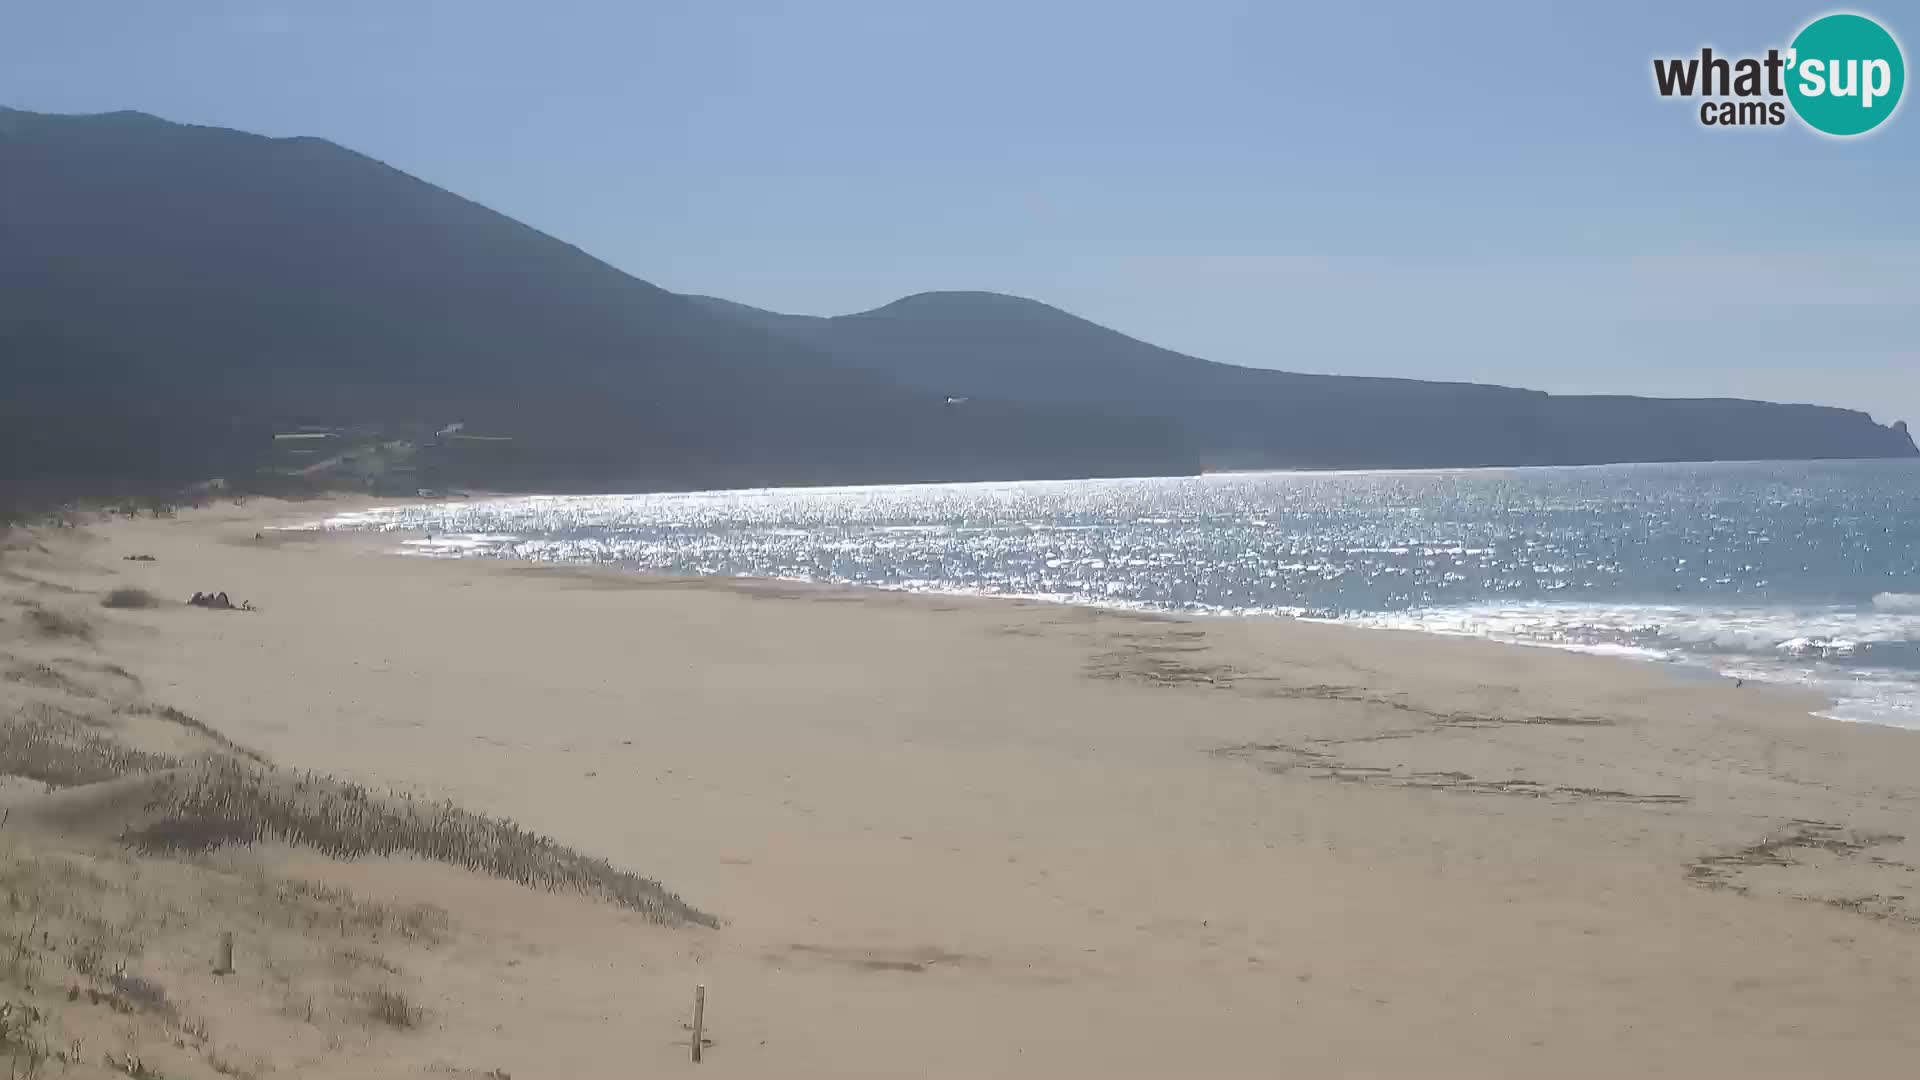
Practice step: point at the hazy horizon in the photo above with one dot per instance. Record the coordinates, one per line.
(1499, 198)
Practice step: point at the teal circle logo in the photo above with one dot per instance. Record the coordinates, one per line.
(1845, 74)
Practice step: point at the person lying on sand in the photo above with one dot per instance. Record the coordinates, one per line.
(219, 602)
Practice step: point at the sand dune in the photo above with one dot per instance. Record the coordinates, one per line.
(947, 837)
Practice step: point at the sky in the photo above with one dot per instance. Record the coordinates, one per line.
(1480, 191)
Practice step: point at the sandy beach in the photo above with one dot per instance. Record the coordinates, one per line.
(955, 837)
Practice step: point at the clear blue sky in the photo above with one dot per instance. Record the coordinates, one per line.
(1465, 191)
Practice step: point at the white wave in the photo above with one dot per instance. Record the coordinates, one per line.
(1825, 648)
(1894, 601)
(1869, 698)
(456, 545)
(1811, 649)
(1701, 629)
(362, 519)
(1602, 648)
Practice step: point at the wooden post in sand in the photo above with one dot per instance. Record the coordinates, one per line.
(225, 966)
(699, 1020)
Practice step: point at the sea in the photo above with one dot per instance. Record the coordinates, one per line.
(1804, 573)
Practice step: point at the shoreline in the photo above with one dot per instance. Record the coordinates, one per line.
(1832, 705)
(1114, 843)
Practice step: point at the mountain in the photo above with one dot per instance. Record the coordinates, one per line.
(1007, 348)
(172, 296)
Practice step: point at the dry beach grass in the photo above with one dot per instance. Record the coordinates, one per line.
(234, 803)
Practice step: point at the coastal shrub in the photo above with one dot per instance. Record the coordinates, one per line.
(130, 598)
(229, 802)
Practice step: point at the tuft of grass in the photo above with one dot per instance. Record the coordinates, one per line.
(175, 716)
(318, 901)
(145, 995)
(45, 677)
(297, 1007)
(19, 961)
(352, 957)
(131, 1065)
(392, 1008)
(88, 958)
(23, 1038)
(59, 715)
(228, 802)
(130, 598)
(56, 748)
(225, 1067)
(58, 624)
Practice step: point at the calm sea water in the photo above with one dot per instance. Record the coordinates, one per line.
(1795, 572)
